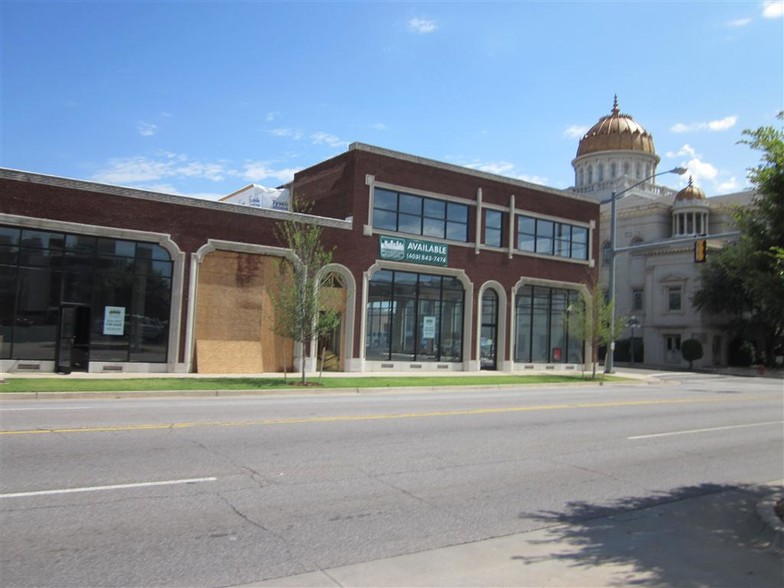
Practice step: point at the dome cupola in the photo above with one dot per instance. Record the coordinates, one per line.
(690, 193)
(615, 153)
(616, 132)
(690, 212)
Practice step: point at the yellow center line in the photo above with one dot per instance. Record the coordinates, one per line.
(378, 417)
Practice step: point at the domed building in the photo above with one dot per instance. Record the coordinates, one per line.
(616, 153)
(657, 227)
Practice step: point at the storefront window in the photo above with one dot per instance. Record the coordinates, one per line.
(414, 317)
(43, 271)
(542, 326)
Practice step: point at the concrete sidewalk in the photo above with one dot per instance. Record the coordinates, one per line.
(703, 536)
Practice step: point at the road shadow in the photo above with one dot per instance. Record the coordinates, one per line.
(692, 536)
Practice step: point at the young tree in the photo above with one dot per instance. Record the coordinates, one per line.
(691, 349)
(745, 280)
(301, 311)
(591, 321)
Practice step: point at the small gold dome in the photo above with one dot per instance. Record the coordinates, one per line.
(616, 132)
(690, 192)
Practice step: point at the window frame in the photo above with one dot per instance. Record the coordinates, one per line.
(422, 216)
(553, 238)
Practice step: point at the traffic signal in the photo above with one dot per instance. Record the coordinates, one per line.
(700, 250)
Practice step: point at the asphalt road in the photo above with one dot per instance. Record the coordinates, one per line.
(226, 491)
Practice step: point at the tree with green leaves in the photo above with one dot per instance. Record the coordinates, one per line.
(302, 312)
(691, 350)
(745, 280)
(591, 321)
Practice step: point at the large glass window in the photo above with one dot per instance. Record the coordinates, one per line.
(418, 215)
(41, 271)
(416, 317)
(542, 326)
(551, 238)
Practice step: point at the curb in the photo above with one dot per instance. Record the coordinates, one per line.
(772, 526)
(294, 391)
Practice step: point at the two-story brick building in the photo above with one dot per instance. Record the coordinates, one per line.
(436, 266)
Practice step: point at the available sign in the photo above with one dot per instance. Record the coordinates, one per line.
(412, 250)
(114, 320)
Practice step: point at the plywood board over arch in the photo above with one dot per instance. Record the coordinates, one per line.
(235, 318)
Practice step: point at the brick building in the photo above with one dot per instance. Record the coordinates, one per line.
(436, 267)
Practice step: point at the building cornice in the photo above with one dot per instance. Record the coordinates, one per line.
(125, 192)
(467, 171)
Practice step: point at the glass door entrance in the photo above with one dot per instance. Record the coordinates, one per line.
(488, 341)
(73, 339)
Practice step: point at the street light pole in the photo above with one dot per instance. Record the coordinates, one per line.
(609, 366)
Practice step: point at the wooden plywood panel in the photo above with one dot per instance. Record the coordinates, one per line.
(235, 305)
(229, 357)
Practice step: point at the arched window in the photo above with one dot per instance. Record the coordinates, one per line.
(613, 170)
(601, 173)
(489, 334)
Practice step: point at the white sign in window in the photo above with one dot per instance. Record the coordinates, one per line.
(428, 327)
(114, 320)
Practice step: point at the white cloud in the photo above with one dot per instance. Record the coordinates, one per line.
(715, 125)
(258, 171)
(322, 138)
(701, 170)
(146, 129)
(274, 115)
(505, 168)
(740, 22)
(378, 127)
(422, 25)
(687, 150)
(501, 168)
(575, 131)
(773, 9)
(134, 170)
(283, 132)
(727, 186)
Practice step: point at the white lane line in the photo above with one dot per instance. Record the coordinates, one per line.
(114, 487)
(9, 409)
(692, 431)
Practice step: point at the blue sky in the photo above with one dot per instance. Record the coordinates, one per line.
(203, 98)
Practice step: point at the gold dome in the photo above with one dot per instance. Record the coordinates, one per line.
(690, 192)
(616, 132)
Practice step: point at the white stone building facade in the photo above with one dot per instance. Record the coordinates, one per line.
(654, 284)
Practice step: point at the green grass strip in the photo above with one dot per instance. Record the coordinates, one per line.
(68, 384)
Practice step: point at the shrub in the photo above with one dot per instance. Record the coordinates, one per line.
(691, 349)
(741, 353)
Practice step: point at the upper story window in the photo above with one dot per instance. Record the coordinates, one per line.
(551, 238)
(674, 297)
(638, 297)
(418, 215)
(494, 223)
